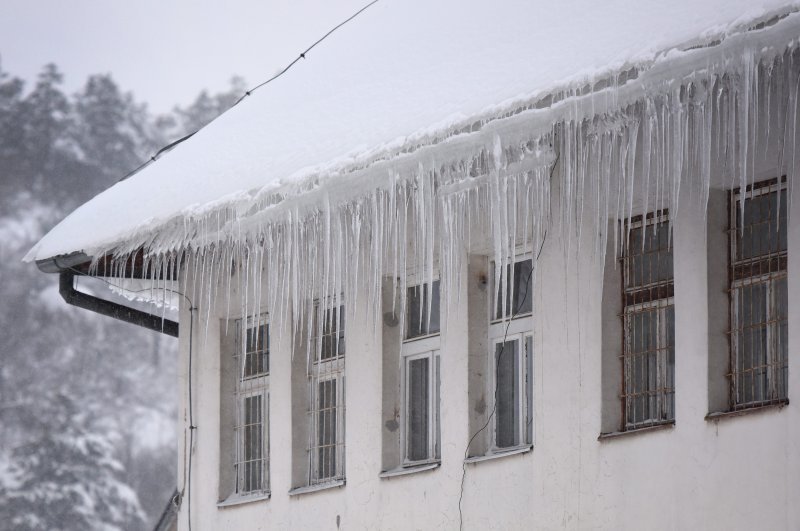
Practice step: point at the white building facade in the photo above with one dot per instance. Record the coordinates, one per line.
(644, 382)
(573, 310)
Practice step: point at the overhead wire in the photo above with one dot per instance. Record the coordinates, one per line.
(187, 486)
(247, 93)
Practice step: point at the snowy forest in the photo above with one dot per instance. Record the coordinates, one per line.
(87, 403)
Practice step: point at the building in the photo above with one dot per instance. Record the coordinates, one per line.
(571, 308)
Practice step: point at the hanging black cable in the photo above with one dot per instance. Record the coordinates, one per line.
(497, 363)
(192, 427)
(302, 55)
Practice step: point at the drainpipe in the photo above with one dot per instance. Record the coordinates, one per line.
(66, 287)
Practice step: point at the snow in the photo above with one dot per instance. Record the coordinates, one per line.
(400, 76)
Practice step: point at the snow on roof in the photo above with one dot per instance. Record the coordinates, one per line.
(400, 72)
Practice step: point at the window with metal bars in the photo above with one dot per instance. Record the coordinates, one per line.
(759, 297)
(326, 448)
(511, 357)
(648, 352)
(252, 406)
(420, 353)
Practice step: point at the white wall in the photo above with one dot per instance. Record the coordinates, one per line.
(736, 473)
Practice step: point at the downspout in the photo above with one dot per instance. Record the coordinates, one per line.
(66, 287)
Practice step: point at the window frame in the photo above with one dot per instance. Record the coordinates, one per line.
(774, 366)
(517, 328)
(663, 300)
(425, 346)
(407, 322)
(415, 347)
(256, 385)
(320, 371)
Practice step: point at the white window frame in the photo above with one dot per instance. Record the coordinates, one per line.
(321, 371)
(425, 347)
(520, 329)
(248, 387)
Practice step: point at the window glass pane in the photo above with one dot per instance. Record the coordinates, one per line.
(649, 364)
(668, 406)
(436, 407)
(252, 444)
(649, 323)
(332, 340)
(529, 389)
(417, 403)
(648, 256)
(781, 333)
(420, 320)
(507, 413)
(759, 297)
(257, 351)
(752, 338)
(763, 228)
(326, 429)
(517, 281)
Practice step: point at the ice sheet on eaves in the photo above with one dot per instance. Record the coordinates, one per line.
(397, 69)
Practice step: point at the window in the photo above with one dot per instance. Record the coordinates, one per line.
(759, 297)
(251, 462)
(648, 355)
(420, 354)
(326, 450)
(511, 357)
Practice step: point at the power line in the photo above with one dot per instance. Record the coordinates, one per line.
(247, 93)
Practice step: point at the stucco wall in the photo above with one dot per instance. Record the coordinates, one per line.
(736, 473)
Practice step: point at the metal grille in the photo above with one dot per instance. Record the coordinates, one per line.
(648, 354)
(252, 406)
(326, 448)
(759, 297)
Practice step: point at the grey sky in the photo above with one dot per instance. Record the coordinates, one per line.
(164, 51)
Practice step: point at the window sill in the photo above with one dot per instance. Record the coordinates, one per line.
(500, 453)
(316, 488)
(720, 415)
(234, 500)
(404, 471)
(636, 431)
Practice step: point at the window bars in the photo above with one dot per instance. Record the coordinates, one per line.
(252, 406)
(759, 296)
(648, 353)
(511, 357)
(421, 380)
(326, 448)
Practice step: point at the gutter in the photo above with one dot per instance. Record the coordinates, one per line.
(66, 287)
(77, 264)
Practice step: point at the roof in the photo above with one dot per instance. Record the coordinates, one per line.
(401, 74)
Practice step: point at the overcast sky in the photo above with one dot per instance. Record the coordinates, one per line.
(164, 51)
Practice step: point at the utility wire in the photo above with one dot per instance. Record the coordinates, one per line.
(187, 486)
(534, 261)
(302, 55)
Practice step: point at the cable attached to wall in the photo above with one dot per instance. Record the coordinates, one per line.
(187, 486)
(247, 93)
(499, 358)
